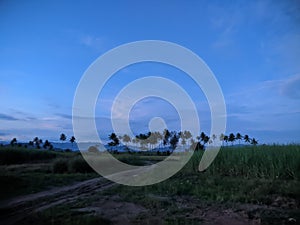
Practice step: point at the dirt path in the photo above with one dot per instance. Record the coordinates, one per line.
(14, 210)
(185, 209)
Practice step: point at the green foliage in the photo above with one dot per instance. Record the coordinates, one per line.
(79, 165)
(12, 155)
(60, 166)
(115, 140)
(73, 165)
(62, 137)
(271, 162)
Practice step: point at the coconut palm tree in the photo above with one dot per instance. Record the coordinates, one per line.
(238, 137)
(183, 141)
(126, 138)
(154, 139)
(226, 139)
(13, 141)
(205, 140)
(115, 140)
(203, 137)
(46, 144)
(222, 138)
(37, 142)
(135, 141)
(166, 136)
(174, 140)
(72, 140)
(63, 137)
(187, 135)
(213, 137)
(231, 138)
(246, 138)
(158, 137)
(254, 142)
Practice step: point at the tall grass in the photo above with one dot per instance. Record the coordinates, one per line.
(273, 162)
(74, 165)
(11, 155)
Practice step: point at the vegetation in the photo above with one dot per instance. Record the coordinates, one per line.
(13, 155)
(63, 137)
(263, 175)
(173, 139)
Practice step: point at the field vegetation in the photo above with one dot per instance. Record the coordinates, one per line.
(261, 175)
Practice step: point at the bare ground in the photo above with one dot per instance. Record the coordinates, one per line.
(14, 210)
(118, 211)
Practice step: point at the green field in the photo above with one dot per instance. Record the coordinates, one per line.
(261, 182)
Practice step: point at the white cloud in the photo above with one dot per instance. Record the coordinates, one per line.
(92, 42)
(291, 87)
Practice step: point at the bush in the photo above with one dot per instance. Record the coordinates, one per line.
(13, 155)
(60, 166)
(79, 165)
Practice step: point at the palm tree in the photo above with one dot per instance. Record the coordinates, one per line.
(213, 137)
(222, 138)
(158, 138)
(13, 141)
(253, 141)
(63, 137)
(72, 140)
(187, 135)
(202, 137)
(205, 140)
(174, 140)
(153, 139)
(134, 141)
(166, 136)
(238, 137)
(226, 139)
(46, 144)
(37, 142)
(231, 138)
(115, 140)
(126, 138)
(183, 141)
(246, 138)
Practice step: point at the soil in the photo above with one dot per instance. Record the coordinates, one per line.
(118, 211)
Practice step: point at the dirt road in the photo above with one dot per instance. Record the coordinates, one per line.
(120, 212)
(14, 210)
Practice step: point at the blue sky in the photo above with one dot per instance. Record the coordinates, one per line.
(253, 48)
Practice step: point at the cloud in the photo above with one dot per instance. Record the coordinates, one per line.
(65, 116)
(291, 87)
(3, 133)
(92, 41)
(288, 87)
(269, 105)
(7, 117)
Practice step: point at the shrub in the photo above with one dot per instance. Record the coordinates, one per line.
(60, 166)
(79, 165)
(14, 155)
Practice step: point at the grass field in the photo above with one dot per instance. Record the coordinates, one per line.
(266, 177)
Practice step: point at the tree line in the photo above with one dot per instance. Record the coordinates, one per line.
(39, 143)
(151, 140)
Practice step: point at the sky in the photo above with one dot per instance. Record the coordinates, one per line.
(252, 47)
